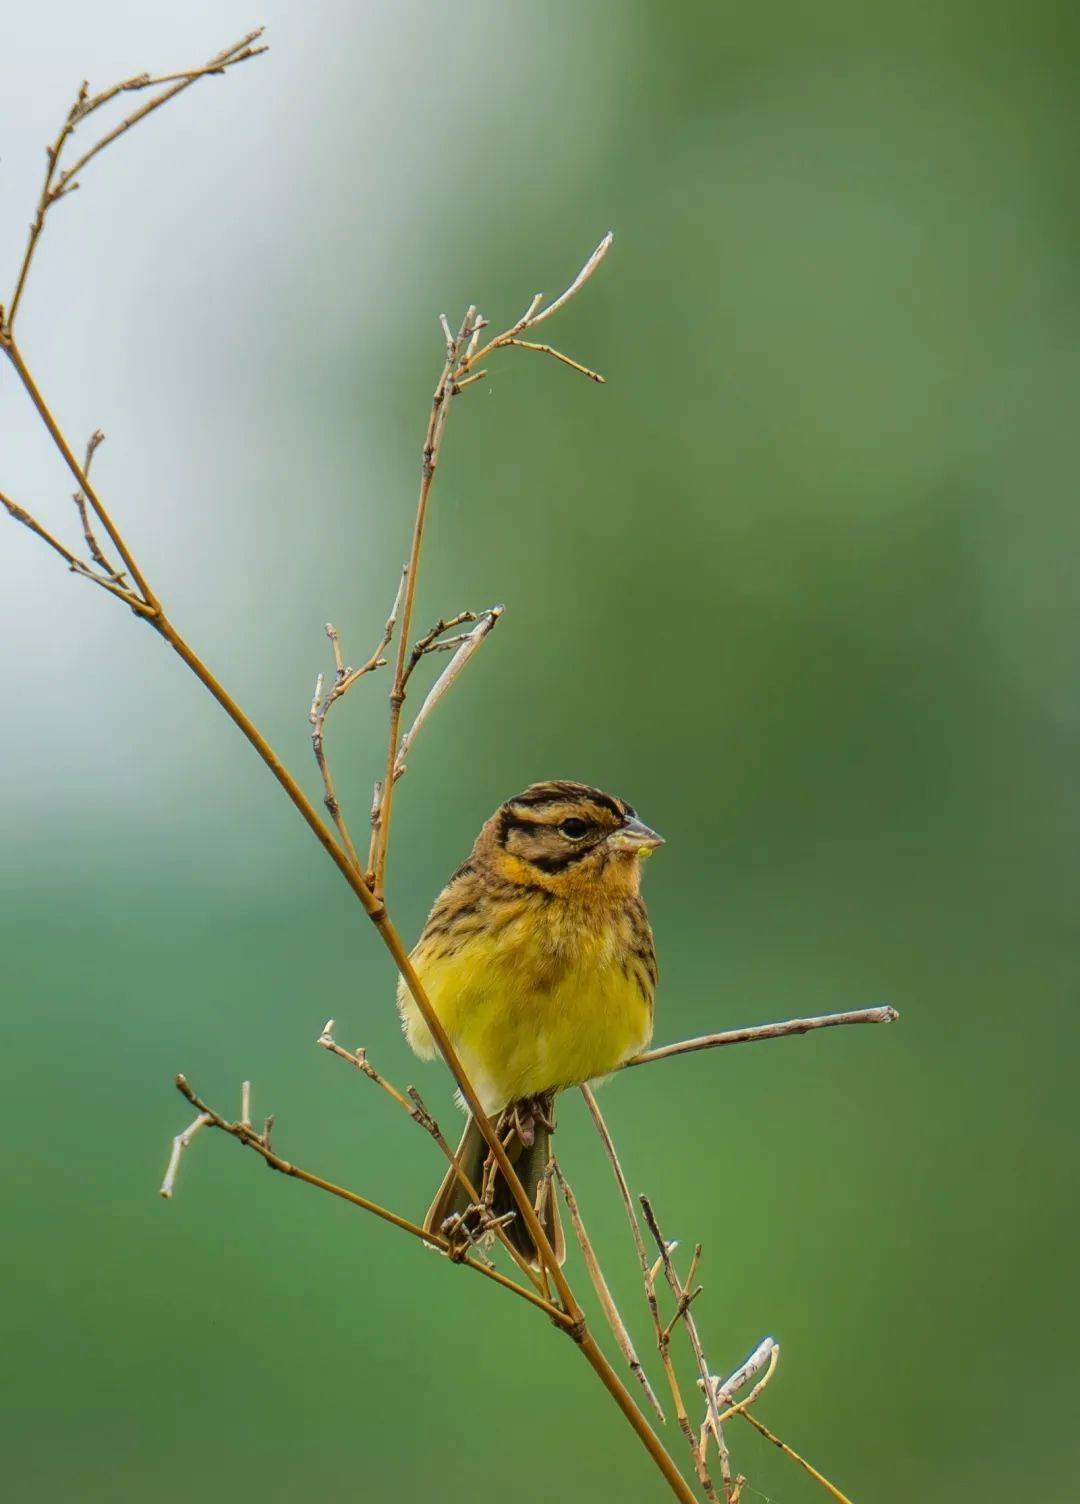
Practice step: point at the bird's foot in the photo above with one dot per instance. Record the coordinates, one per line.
(530, 1111)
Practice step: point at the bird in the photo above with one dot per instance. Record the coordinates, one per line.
(538, 959)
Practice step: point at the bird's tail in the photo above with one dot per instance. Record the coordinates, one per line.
(530, 1161)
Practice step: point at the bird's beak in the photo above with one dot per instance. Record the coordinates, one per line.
(637, 837)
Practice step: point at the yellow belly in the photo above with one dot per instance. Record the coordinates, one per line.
(527, 1017)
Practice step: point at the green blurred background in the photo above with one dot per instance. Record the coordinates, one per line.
(799, 582)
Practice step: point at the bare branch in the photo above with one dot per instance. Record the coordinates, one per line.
(878, 1015)
(239, 52)
(412, 1103)
(58, 183)
(429, 462)
(683, 1313)
(524, 344)
(96, 439)
(649, 1274)
(245, 1134)
(463, 353)
(344, 679)
(76, 565)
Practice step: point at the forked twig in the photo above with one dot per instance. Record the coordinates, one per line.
(321, 705)
(683, 1313)
(245, 1134)
(76, 565)
(58, 183)
(96, 439)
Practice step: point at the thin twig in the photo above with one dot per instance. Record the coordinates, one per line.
(245, 1134)
(96, 553)
(878, 1015)
(429, 462)
(239, 52)
(534, 315)
(470, 642)
(649, 1274)
(463, 353)
(76, 565)
(344, 679)
(179, 1144)
(682, 1304)
(603, 1293)
(57, 184)
(411, 1102)
(575, 365)
(830, 1488)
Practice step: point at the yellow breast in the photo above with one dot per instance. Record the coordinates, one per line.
(537, 1002)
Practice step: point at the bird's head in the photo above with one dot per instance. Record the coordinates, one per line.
(568, 838)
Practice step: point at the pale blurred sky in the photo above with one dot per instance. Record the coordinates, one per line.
(224, 270)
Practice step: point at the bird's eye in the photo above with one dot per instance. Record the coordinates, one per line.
(573, 828)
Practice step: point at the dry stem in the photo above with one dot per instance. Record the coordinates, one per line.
(245, 1134)
(878, 1015)
(344, 679)
(58, 183)
(603, 1293)
(683, 1313)
(462, 357)
(649, 1273)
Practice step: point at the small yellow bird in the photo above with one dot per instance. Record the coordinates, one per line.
(538, 959)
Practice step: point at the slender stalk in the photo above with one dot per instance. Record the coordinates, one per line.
(879, 1015)
(239, 52)
(830, 1488)
(603, 1292)
(429, 462)
(648, 1275)
(52, 154)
